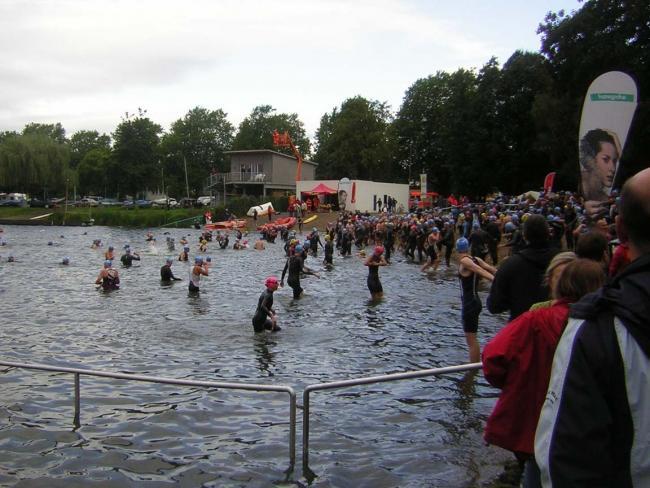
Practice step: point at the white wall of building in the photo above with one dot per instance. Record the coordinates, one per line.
(369, 195)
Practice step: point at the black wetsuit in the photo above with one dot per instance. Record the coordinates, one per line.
(471, 303)
(166, 273)
(294, 266)
(314, 241)
(223, 243)
(389, 239)
(110, 281)
(261, 319)
(493, 244)
(478, 242)
(346, 244)
(329, 252)
(374, 285)
(127, 259)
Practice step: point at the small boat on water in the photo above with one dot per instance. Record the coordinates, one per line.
(226, 224)
(287, 222)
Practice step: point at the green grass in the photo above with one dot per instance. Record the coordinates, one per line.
(111, 216)
(136, 217)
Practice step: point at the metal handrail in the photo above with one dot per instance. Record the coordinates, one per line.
(170, 381)
(366, 381)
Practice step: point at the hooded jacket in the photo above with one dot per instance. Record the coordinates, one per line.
(518, 360)
(518, 282)
(594, 428)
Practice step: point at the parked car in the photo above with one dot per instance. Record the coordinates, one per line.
(37, 202)
(87, 202)
(143, 203)
(128, 204)
(109, 202)
(206, 200)
(14, 200)
(188, 202)
(55, 202)
(165, 202)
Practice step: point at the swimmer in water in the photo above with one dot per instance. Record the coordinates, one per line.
(110, 253)
(199, 268)
(223, 240)
(430, 247)
(166, 274)
(203, 245)
(373, 263)
(108, 278)
(259, 245)
(329, 251)
(150, 237)
(185, 254)
(265, 317)
(128, 257)
(96, 243)
(295, 265)
(470, 270)
(171, 246)
(65, 261)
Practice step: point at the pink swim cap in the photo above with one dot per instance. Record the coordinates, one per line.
(271, 281)
(379, 250)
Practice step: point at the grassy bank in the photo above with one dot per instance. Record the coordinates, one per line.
(137, 217)
(133, 217)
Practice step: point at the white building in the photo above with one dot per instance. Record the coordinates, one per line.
(353, 195)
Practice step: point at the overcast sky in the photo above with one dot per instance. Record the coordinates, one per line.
(85, 63)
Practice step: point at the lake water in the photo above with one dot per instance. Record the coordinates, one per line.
(424, 432)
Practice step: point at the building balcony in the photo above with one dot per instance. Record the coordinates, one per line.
(228, 178)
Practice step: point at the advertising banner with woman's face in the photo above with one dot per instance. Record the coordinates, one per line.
(607, 114)
(345, 194)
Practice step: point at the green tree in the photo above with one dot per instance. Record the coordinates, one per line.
(256, 131)
(354, 141)
(434, 128)
(93, 172)
(34, 164)
(526, 152)
(55, 132)
(201, 137)
(5, 134)
(603, 35)
(136, 154)
(85, 141)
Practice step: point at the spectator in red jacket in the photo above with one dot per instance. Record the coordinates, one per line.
(518, 360)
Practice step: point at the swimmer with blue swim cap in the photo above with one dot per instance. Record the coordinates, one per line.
(166, 274)
(108, 277)
(199, 269)
(470, 270)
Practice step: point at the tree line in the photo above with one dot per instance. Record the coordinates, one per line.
(472, 131)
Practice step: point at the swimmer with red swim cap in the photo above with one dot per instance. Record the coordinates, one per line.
(373, 262)
(265, 317)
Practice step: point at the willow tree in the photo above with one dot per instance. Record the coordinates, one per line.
(35, 164)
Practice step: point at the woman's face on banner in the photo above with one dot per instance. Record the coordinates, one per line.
(605, 163)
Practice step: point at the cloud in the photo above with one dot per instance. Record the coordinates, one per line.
(76, 60)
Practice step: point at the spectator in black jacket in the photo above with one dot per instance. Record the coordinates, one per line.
(519, 280)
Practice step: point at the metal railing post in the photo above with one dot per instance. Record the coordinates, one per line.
(366, 381)
(77, 372)
(305, 428)
(77, 401)
(292, 427)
